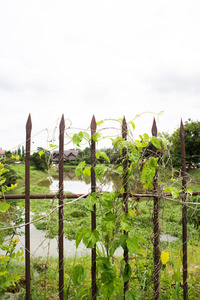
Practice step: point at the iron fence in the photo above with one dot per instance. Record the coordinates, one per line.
(125, 196)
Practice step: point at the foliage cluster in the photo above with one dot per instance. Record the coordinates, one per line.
(137, 170)
(7, 276)
(192, 144)
(41, 159)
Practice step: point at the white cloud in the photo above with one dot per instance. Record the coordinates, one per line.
(108, 58)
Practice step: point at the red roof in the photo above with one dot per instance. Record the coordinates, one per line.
(2, 152)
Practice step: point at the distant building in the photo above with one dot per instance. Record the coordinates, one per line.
(2, 153)
(68, 155)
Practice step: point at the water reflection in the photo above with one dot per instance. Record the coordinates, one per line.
(81, 185)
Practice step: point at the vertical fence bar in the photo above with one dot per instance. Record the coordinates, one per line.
(184, 211)
(125, 194)
(27, 207)
(60, 240)
(157, 263)
(93, 213)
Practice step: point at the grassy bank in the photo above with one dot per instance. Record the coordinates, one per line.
(44, 272)
(44, 276)
(37, 177)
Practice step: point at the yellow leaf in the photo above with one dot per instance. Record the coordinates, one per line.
(164, 257)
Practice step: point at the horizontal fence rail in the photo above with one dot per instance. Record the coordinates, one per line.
(155, 195)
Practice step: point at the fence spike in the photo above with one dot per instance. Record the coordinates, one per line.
(29, 124)
(125, 194)
(154, 128)
(93, 125)
(157, 263)
(93, 213)
(124, 128)
(184, 212)
(62, 122)
(60, 212)
(182, 130)
(27, 207)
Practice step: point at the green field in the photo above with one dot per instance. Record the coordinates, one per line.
(44, 271)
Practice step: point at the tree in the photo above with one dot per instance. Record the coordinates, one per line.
(10, 176)
(41, 159)
(192, 143)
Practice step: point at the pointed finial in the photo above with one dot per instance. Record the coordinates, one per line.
(93, 125)
(62, 121)
(124, 128)
(182, 130)
(154, 128)
(62, 124)
(29, 124)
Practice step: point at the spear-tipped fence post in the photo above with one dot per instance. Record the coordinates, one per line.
(157, 263)
(27, 207)
(125, 194)
(184, 211)
(93, 213)
(60, 213)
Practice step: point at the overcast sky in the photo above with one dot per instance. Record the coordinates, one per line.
(109, 58)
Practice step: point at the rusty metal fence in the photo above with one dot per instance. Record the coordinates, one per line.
(125, 196)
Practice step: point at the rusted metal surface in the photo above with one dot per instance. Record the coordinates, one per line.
(93, 213)
(27, 207)
(74, 196)
(157, 263)
(125, 194)
(60, 213)
(184, 212)
(42, 196)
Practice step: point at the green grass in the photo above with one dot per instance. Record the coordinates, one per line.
(36, 177)
(44, 281)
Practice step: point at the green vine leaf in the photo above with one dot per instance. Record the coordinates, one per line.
(132, 295)
(132, 245)
(100, 170)
(114, 247)
(116, 141)
(149, 171)
(91, 238)
(107, 200)
(99, 123)
(133, 125)
(96, 136)
(79, 169)
(77, 138)
(4, 207)
(87, 171)
(53, 146)
(108, 222)
(86, 136)
(78, 274)
(134, 155)
(175, 192)
(89, 202)
(155, 141)
(127, 273)
(102, 154)
(41, 153)
(189, 191)
(125, 225)
(79, 236)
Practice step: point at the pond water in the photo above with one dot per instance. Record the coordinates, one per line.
(41, 246)
(82, 185)
(167, 238)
